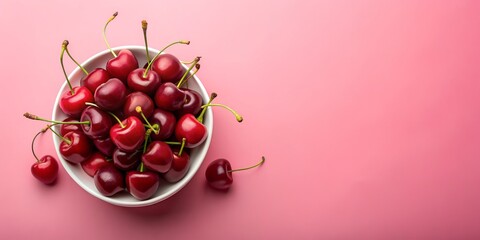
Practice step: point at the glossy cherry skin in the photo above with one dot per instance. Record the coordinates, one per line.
(79, 148)
(193, 102)
(120, 66)
(74, 104)
(166, 120)
(100, 122)
(109, 180)
(95, 78)
(94, 162)
(219, 175)
(168, 68)
(169, 97)
(126, 160)
(130, 137)
(158, 157)
(65, 128)
(111, 94)
(191, 129)
(45, 170)
(105, 146)
(148, 84)
(136, 99)
(180, 166)
(142, 185)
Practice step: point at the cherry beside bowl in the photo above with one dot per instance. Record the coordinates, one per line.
(124, 199)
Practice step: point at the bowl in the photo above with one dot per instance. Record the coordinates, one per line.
(124, 199)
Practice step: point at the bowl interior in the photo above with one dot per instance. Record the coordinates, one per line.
(165, 190)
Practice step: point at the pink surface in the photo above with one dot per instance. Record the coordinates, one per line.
(367, 111)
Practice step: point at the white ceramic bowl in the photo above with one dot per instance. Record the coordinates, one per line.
(125, 199)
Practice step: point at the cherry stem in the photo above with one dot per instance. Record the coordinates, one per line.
(33, 143)
(184, 77)
(64, 47)
(60, 136)
(147, 135)
(237, 116)
(111, 114)
(188, 63)
(197, 67)
(144, 28)
(204, 110)
(181, 147)
(173, 143)
(35, 117)
(141, 167)
(139, 110)
(158, 54)
(254, 166)
(105, 36)
(73, 59)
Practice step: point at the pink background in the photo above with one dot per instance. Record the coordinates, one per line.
(367, 111)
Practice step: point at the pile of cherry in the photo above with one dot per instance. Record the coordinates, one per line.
(128, 126)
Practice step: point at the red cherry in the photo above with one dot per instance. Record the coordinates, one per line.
(219, 173)
(191, 129)
(142, 185)
(136, 99)
(126, 160)
(44, 169)
(193, 102)
(168, 68)
(109, 180)
(111, 95)
(139, 81)
(128, 134)
(99, 122)
(95, 78)
(75, 147)
(166, 121)
(72, 102)
(94, 162)
(180, 166)
(169, 97)
(105, 146)
(158, 157)
(121, 65)
(65, 128)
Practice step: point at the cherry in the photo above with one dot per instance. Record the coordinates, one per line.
(44, 169)
(219, 173)
(128, 134)
(168, 67)
(100, 122)
(111, 94)
(193, 102)
(123, 63)
(169, 97)
(135, 100)
(94, 162)
(105, 146)
(180, 165)
(72, 102)
(158, 157)
(143, 80)
(75, 147)
(126, 160)
(193, 130)
(109, 180)
(142, 184)
(95, 78)
(166, 122)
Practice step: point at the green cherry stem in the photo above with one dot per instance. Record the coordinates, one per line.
(33, 143)
(73, 59)
(147, 136)
(35, 117)
(158, 54)
(254, 166)
(173, 143)
(184, 77)
(105, 36)
(182, 146)
(197, 67)
(237, 116)
(64, 47)
(155, 130)
(144, 28)
(60, 136)
(204, 110)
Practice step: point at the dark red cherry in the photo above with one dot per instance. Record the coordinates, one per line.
(105, 146)
(169, 97)
(180, 166)
(94, 162)
(100, 123)
(126, 160)
(166, 121)
(168, 68)
(142, 185)
(111, 95)
(193, 102)
(141, 82)
(219, 173)
(158, 157)
(109, 180)
(136, 99)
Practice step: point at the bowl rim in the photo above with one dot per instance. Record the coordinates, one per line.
(181, 184)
